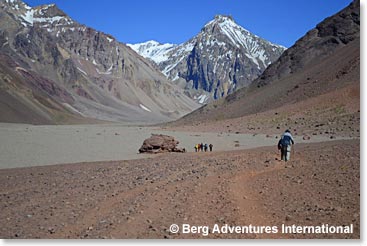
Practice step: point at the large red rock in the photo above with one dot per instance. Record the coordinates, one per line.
(159, 143)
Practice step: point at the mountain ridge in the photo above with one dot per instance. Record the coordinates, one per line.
(222, 57)
(325, 60)
(106, 79)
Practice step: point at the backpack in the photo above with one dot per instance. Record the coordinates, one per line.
(285, 141)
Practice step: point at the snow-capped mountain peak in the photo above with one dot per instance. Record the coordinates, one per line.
(153, 50)
(224, 20)
(44, 15)
(222, 57)
(241, 37)
(229, 27)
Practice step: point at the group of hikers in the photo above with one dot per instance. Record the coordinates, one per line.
(203, 147)
(284, 145)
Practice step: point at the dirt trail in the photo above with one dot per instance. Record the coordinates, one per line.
(250, 205)
(142, 198)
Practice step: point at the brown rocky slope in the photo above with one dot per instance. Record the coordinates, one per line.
(43, 53)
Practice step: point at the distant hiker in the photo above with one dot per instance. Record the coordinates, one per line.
(205, 147)
(201, 147)
(196, 148)
(210, 147)
(284, 145)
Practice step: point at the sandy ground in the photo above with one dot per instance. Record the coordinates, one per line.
(241, 183)
(29, 145)
(142, 198)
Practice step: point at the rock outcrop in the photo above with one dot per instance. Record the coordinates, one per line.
(159, 143)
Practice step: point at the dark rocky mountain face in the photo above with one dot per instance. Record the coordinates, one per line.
(324, 60)
(220, 59)
(104, 79)
(332, 33)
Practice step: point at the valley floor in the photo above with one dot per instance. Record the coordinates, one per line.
(142, 198)
(29, 145)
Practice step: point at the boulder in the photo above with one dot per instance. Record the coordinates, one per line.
(159, 143)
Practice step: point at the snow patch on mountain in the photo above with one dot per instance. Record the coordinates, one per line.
(29, 16)
(145, 108)
(82, 71)
(109, 71)
(153, 50)
(239, 36)
(202, 98)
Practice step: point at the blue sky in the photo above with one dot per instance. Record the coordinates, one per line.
(170, 21)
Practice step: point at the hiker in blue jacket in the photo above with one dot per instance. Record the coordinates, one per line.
(284, 145)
